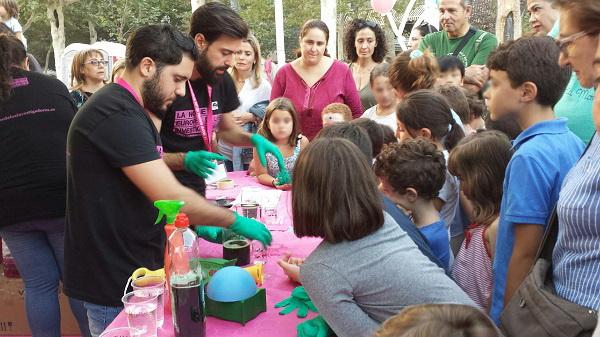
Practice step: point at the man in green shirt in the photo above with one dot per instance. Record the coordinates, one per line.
(454, 20)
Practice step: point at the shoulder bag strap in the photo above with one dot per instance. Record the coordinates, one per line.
(550, 235)
(464, 41)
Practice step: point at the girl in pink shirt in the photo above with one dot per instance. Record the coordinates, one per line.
(315, 80)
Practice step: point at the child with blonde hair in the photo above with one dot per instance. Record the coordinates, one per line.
(441, 320)
(335, 113)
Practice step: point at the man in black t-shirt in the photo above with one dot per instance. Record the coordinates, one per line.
(115, 172)
(218, 32)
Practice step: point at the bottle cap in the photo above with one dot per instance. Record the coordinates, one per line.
(182, 221)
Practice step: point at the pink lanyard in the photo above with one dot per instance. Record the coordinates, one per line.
(206, 131)
(128, 87)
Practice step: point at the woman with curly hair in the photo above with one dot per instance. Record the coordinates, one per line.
(364, 48)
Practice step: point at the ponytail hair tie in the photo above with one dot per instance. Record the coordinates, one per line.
(415, 54)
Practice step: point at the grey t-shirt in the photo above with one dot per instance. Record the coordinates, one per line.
(356, 285)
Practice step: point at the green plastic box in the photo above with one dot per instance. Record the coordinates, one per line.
(241, 311)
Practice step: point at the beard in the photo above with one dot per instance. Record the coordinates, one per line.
(206, 69)
(152, 96)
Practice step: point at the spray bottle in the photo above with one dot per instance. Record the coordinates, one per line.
(187, 289)
(168, 209)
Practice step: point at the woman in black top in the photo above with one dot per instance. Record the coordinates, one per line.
(35, 114)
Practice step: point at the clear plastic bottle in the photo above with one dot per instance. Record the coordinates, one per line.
(187, 289)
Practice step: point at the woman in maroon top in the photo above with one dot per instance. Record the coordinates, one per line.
(315, 80)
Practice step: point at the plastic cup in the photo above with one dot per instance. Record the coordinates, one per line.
(122, 332)
(269, 214)
(150, 286)
(141, 313)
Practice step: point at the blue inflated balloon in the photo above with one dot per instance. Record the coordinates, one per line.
(231, 284)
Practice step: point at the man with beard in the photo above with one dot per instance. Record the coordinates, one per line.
(457, 37)
(115, 172)
(187, 129)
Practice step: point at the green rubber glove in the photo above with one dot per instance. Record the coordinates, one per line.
(283, 178)
(299, 300)
(251, 229)
(263, 146)
(316, 327)
(210, 233)
(201, 162)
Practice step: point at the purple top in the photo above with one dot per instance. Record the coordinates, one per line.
(336, 86)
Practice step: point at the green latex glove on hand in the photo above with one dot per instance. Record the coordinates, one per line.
(210, 233)
(251, 229)
(263, 146)
(283, 178)
(299, 300)
(316, 327)
(201, 162)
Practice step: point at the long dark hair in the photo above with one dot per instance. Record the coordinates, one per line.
(428, 109)
(325, 180)
(12, 53)
(349, 38)
(480, 161)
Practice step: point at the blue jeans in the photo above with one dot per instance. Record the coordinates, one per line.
(38, 249)
(100, 317)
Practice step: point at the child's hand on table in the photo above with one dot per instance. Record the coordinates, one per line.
(285, 187)
(291, 266)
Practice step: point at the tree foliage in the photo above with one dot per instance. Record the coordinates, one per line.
(114, 20)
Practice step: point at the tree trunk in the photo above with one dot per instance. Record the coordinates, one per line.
(57, 29)
(329, 16)
(235, 5)
(279, 32)
(505, 9)
(197, 3)
(93, 33)
(47, 59)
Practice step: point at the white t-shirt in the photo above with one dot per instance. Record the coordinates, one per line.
(249, 96)
(449, 194)
(14, 25)
(389, 120)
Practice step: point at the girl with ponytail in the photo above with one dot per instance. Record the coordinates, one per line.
(413, 70)
(12, 54)
(427, 114)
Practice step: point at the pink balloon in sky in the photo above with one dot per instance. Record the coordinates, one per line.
(382, 6)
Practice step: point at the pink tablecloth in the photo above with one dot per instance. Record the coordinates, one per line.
(277, 285)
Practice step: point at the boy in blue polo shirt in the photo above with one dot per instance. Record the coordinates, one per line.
(526, 83)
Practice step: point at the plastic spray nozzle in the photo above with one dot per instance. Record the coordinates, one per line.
(182, 221)
(168, 208)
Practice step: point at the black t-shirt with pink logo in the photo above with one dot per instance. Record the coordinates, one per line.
(180, 131)
(33, 128)
(110, 228)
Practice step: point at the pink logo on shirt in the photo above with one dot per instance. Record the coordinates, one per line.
(19, 82)
(159, 149)
(186, 124)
